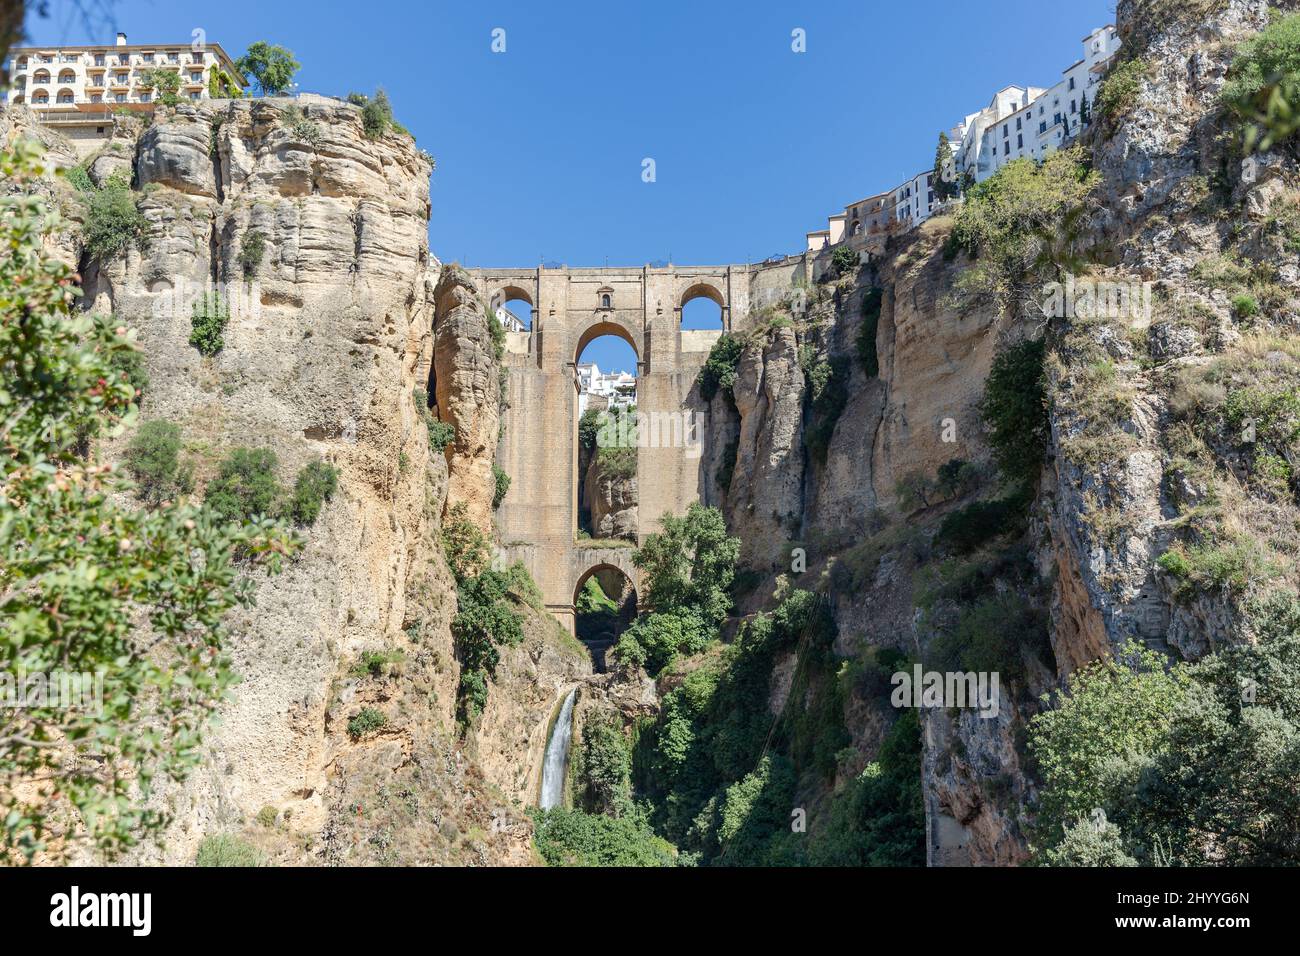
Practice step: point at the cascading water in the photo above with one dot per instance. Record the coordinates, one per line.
(556, 761)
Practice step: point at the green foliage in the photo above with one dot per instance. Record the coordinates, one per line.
(374, 663)
(1014, 408)
(829, 393)
(719, 371)
(314, 485)
(605, 765)
(376, 115)
(500, 485)
(1119, 90)
(484, 622)
(464, 546)
(126, 364)
(223, 849)
(1015, 222)
(575, 838)
(79, 179)
(270, 66)
(251, 252)
(209, 317)
(945, 171)
(441, 434)
(1231, 565)
(113, 221)
(136, 595)
(588, 427)
(165, 83)
(866, 339)
(970, 528)
(702, 762)
(879, 818)
(845, 261)
(956, 477)
(222, 86)
(991, 635)
(366, 721)
(1263, 89)
(1111, 712)
(303, 129)
(153, 458)
(690, 563)
(1090, 843)
(245, 485)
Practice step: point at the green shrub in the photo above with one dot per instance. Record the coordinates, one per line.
(1244, 306)
(79, 179)
(1263, 89)
(463, 544)
(441, 434)
(366, 721)
(223, 849)
(113, 221)
(209, 317)
(829, 393)
(1231, 565)
(1119, 90)
(719, 371)
(605, 764)
(500, 485)
(1014, 407)
(377, 115)
(970, 528)
(866, 340)
(574, 838)
(314, 485)
(127, 364)
(992, 635)
(251, 251)
(302, 128)
(484, 622)
(845, 261)
(153, 459)
(245, 485)
(956, 477)
(374, 663)
(165, 83)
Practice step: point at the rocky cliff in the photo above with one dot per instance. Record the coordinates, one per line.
(315, 236)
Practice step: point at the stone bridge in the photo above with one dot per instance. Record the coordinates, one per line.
(538, 519)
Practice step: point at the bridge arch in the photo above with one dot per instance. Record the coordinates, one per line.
(605, 324)
(704, 290)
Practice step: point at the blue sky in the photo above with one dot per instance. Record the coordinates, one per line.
(540, 149)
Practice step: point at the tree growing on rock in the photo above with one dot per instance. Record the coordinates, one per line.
(270, 66)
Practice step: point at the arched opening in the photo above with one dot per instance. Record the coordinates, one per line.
(514, 309)
(701, 308)
(67, 76)
(66, 96)
(40, 96)
(604, 604)
(605, 493)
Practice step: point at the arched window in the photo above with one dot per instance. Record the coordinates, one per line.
(41, 76)
(605, 301)
(67, 76)
(66, 96)
(40, 96)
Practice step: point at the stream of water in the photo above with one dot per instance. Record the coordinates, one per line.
(556, 762)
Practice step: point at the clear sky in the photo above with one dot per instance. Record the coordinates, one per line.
(541, 148)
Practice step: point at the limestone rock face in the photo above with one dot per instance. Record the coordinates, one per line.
(611, 501)
(766, 506)
(467, 392)
(178, 153)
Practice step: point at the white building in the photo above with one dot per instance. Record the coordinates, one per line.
(509, 321)
(1031, 122)
(914, 200)
(75, 87)
(618, 389)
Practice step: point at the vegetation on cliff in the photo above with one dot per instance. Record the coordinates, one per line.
(133, 599)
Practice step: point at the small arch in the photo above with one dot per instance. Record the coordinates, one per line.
(40, 96)
(604, 604)
(41, 76)
(68, 76)
(705, 290)
(856, 228)
(67, 96)
(605, 296)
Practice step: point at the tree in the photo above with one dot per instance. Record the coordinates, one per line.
(1014, 407)
(270, 66)
(165, 83)
(1085, 112)
(945, 171)
(153, 458)
(133, 598)
(245, 485)
(690, 564)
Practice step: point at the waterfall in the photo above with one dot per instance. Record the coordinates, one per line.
(557, 755)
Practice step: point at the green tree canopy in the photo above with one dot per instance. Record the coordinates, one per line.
(270, 66)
